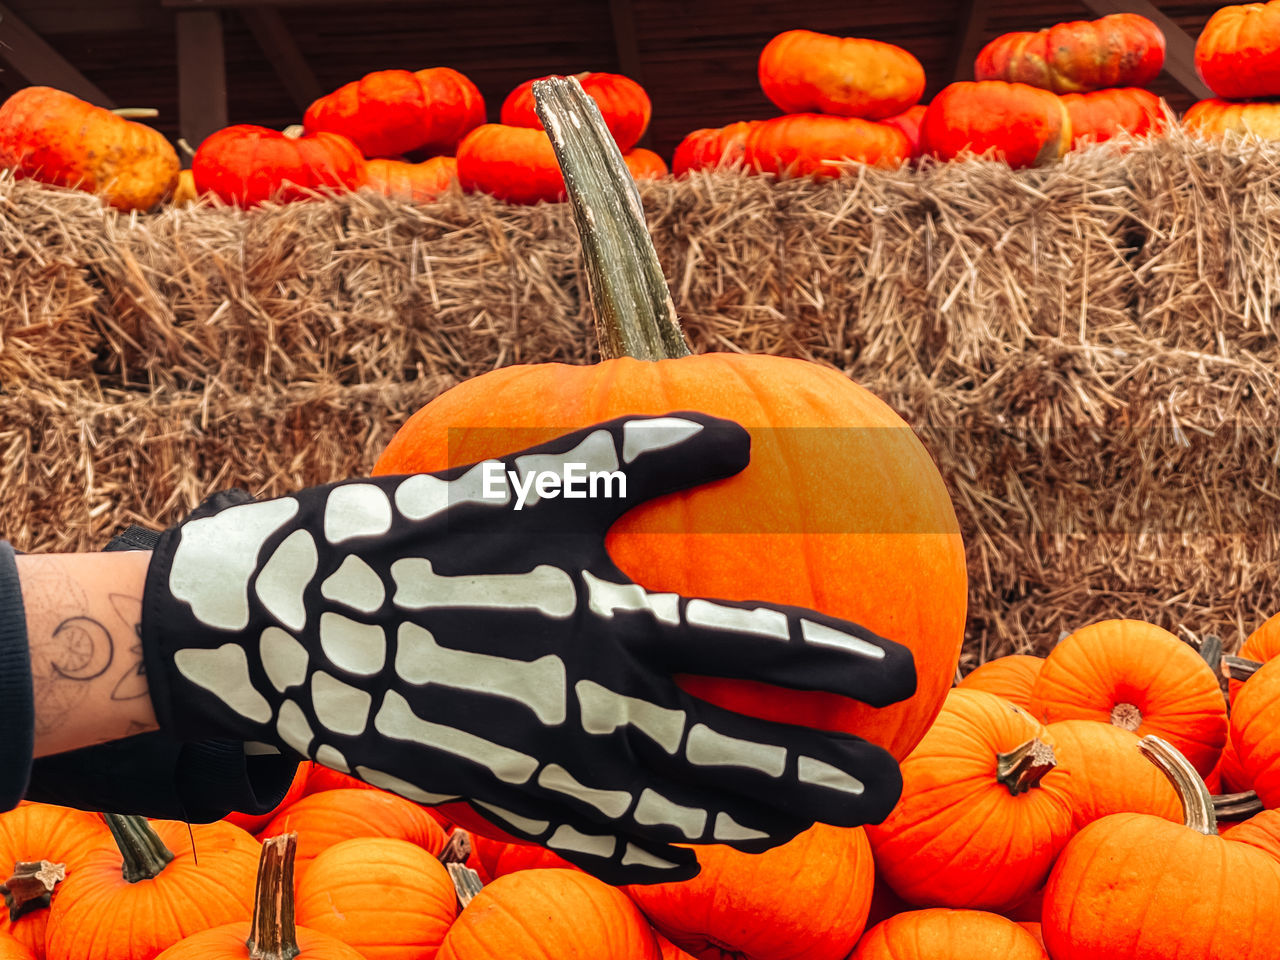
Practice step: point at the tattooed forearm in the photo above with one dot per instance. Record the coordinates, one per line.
(83, 616)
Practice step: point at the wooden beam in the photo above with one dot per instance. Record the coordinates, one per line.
(269, 29)
(38, 63)
(202, 74)
(971, 31)
(1180, 46)
(240, 4)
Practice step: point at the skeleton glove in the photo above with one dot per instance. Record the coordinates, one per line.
(465, 636)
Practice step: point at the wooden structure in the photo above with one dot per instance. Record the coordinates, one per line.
(205, 63)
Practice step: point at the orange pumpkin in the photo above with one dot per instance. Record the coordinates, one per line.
(40, 831)
(806, 72)
(323, 819)
(11, 949)
(908, 121)
(623, 103)
(712, 147)
(1255, 732)
(985, 808)
(253, 822)
(1134, 885)
(1212, 119)
(1020, 124)
(57, 138)
(869, 497)
(814, 145)
(1237, 53)
(515, 164)
(272, 934)
(412, 182)
(942, 934)
(165, 881)
(388, 898)
(1118, 50)
(247, 165)
(807, 898)
(1010, 677)
(1138, 677)
(669, 950)
(1101, 114)
(388, 113)
(645, 164)
(496, 858)
(1260, 646)
(549, 915)
(1109, 774)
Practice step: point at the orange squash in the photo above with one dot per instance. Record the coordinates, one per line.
(1020, 124)
(1255, 732)
(814, 145)
(1109, 774)
(1101, 114)
(412, 182)
(515, 164)
(1118, 50)
(942, 934)
(645, 164)
(1238, 52)
(623, 103)
(1260, 646)
(1011, 677)
(712, 147)
(11, 949)
(1212, 119)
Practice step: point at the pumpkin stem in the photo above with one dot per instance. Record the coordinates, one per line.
(1210, 649)
(466, 882)
(274, 935)
(1197, 804)
(31, 886)
(145, 855)
(1126, 716)
(1236, 806)
(136, 113)
(1025, 766)
(1239, 668)
(634, 314)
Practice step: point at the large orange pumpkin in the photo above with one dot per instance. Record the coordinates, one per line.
(515, 164)
(1011, 677)
(1260, 646)
(1118, 50)
(806, 72)
(942, 934)
(1139, 677)
(57, 138)
(1109, 774)
(1255, 731)
(1213, 118)
(247, 164)
(814, 145)
(11, 949)
(1238, 53)
(1022, 125)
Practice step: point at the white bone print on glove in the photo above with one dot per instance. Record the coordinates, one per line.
(452, 637)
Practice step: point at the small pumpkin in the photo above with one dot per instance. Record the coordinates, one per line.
(1211, 119)
(1020, 124)
(412, 182)
(272, 934)
(246, 164)
(1101, 114)
(388, 113)
(515, 164)
(985, 808)
(1237, 52)
(712, 147)
(815, 145)
(163, 882)
(645, 164)
(1138, 677)
(802, 71)
(941, 934)
(1134, 885)
(388, 898)
(623, 103)
(253, 822)
(1118, 50)
(1010, 677)
(57, 138)
(549, 915)
(1255, 732)
(806, 898)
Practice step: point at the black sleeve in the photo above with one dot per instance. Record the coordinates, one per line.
(152, 774)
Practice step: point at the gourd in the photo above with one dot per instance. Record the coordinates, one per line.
(515, 164)
(412, 182)
(247, 165)
(1020, 124)
(623, 103)
(712, 147)
(1213, 118)
(802, 71)
(813, 145)
(1101, 114)
(1238, 52)
(942, 934)
(1118, 50)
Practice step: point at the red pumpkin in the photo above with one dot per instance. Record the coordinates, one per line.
(645, 164)
(412, 182)
(254, 822)
(1010, 677)
(247, 165)
(1101, 114)
(712, 147)
(1118, 50)
(515, 164)
(1238, 54)
(807, 898)
(908, 121)
(806, 72)
(392, 112)
(1212, 119)
(623, 103)
(1020, 124)
(985, 808)
(942, 934)
(57, 138)
(1139, 677)
(814, 145)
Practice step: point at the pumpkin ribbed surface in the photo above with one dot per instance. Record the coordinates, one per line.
(1261, 645)
(1010, 677)
(942, 934)
(1237, 53)
(1108, 773)
(806, 72)
(1255, 732)
(1213, 118)
(11, 949)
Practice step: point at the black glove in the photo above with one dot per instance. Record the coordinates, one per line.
(445, 643)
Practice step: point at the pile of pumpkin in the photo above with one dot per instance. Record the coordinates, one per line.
(1031, 825)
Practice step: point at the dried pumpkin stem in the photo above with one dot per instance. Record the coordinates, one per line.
(145, 855)
(1025, 766)
(457, 849)
(1197, 804)
(136, 113)
(1240, 668)
(1126, 716)
(634, 313)
(274, 933)
(31, 886)
(1236, 806)
(466, 883)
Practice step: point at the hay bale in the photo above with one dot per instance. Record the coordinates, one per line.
(1089, 350)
